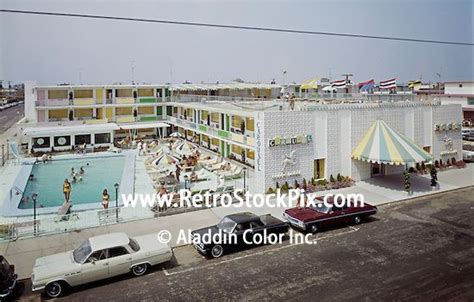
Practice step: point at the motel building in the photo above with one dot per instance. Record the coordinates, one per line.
(251, 125)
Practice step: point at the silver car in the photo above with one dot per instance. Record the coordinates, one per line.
(98, 258)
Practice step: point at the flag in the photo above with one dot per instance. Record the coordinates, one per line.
(388, 84)
(413, 84)
(339, 84)
(366, 86)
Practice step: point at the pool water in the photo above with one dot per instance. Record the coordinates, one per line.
(101, 173)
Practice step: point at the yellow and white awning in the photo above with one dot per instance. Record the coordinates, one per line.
(382, 144)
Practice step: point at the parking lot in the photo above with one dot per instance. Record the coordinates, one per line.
(419, 249)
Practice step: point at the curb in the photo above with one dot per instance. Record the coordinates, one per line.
(423, 196)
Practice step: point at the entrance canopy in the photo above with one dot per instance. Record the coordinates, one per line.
(381, 144)
(69, 130)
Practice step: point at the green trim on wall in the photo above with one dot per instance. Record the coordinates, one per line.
(223, 133)
(147, 100)
(223, 148)
(147, 118)
(227, 122)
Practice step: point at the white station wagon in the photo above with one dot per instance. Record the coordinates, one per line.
(98, 258)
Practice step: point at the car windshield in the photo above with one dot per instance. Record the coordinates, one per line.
(82, 252)
(226, 225)
(322, 208)
(4, 268)
(134, 245)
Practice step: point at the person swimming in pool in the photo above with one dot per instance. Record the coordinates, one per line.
(81, 170)
(74, 179)
(67, 189)
(72, 171)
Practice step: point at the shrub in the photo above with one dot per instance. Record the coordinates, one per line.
(305, 184)
(448, 162)
(411, 170)
(297, 185)
(418, 167)
(436, 163)
(277, 186)
(453, 160)
(331, 179)
(270, 191)
(285, 186)
(339, 177)
(423, 167)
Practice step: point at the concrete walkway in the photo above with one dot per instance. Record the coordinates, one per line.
(377, 191)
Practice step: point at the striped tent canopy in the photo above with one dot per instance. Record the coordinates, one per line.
(381, 144)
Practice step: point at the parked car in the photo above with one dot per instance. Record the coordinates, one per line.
(312, 219)
(236, 226)
(97, 258)
(7, 278)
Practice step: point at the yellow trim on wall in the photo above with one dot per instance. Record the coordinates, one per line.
(87, 112)
(59, 113)
(124, 100)
(83, 93)
(83, 102)
(125, 119)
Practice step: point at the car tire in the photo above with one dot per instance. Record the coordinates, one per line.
(357, 220)
(314, 228)
(217, 251)
(54, 289)
(140, 269)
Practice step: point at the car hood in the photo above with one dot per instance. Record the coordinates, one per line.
(150, 243)
(53, 265)
(304, 214)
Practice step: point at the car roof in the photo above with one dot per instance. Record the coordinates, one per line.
(242, 217)
(108, 240)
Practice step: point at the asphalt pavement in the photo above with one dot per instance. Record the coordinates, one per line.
(420, 249)
(9, 116)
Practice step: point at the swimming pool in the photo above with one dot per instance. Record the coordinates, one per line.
(100, 173)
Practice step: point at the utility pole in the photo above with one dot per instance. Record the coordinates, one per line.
(347, 75)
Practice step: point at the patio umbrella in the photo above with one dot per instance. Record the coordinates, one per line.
(176, 134)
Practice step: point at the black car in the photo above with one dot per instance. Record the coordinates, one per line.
(7, 278)
(241, 229)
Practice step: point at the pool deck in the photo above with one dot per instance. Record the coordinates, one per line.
(23, 252)
(14, 178)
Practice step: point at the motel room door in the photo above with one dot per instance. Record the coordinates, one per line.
(377, 169)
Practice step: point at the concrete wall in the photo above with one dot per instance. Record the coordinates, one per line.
(454, 88)
(30, 98)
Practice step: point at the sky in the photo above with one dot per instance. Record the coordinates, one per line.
(53, 50)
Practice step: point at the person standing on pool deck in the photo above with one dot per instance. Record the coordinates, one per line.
(105, 199)
(66, 189)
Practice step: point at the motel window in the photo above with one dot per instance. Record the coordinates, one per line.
(250, 124)
(205, 138)
(169, 110)
(124, 93)
(83, 93)
(145, 92)
(236, 121)
(57, 94)
(215, 117)
(319, 165)
(237, 149)
(215, 141)
(123, 111)
(41, 142)
(102, 138)
(146, 110)
(159, 111)
(204, 115)
(82, 138)
(62, 141)
(470, 101)
(250, 154)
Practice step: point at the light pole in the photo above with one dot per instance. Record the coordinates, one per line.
(186, 178)
(245, 179)
(116, 186)
(34, 197)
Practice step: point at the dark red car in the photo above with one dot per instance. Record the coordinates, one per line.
(312, 219)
